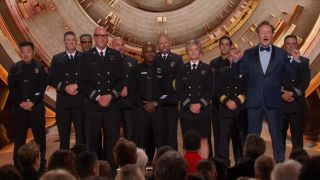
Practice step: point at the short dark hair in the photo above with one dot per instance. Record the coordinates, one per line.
(171, 165)
(67, 34)
(191, 140)
(78, 148)
(63, 159)
(206, 168)
(299, 155)
(263, 167)
(291, 36)
(162, 150)
(310, 169)
(125, 152)
(26, 43)
(226, 38)
(264, 23)
(85, 163)
(27, 156)
(254, 147)
(85, 35)
(9, 172)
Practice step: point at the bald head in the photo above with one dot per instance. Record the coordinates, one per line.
(100, 37)
(118, 44)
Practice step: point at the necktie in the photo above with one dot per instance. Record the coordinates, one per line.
(71, 57)
(164, 57)
(101, 54)
(265, 48)
(194, 66)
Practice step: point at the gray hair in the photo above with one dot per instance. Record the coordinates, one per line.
(193, 42)
(142, 159)
(288, 170)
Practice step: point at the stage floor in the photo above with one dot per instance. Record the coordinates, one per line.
(53, 145)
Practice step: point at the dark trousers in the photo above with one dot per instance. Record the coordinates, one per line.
(127, 122)
(231, 128)
(66, 116)
(170, 114)
(215, 128)
(35, 120)
(275, 122)
(150, 127)
(296, 122)
(109, 122)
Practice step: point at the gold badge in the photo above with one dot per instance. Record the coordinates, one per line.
(130, 64)
(36, 70)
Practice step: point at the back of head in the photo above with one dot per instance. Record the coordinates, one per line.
(254, 147)
(142, 159)
(57, 174)
(9, 172)
(162, 150)
(170, 165)
(191, 141)
(78, 148)
(299, 155)
(63, 159)
(105, 169)
(125, 152)
(130, 172)
(196, 177)
(310, 168)
(263, 167)
(207, 169)
(87, 164)
(28, 154)
(288, 170)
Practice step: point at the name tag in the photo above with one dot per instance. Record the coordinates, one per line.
(144, 72)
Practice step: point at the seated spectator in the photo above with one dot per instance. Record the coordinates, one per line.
(171, 166)
(9, 172)
(29, 161)
(195, 176)
(78, 148)
(263, 167)
(221, 167)
(299, 155)
(207, 169)
(310, 168)
(57, 174)
(125, 152)
(163, 149)
(254, 147)
(191, 146)
(87, 165)
(142, 160)
(130, 172)
(288, 170)
(105, 169)
(63, 159)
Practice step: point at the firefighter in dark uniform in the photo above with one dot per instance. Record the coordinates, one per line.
(125, 104)
(231, 93)
(64, 75)
(172, 62)
(27, 82)
(150, 89)
(102, 79)
(216, 64)
(195, 86)
(294, 96)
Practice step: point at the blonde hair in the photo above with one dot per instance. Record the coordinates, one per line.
(57, 174)
(130, 172)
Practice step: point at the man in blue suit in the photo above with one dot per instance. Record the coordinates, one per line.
(265, 65)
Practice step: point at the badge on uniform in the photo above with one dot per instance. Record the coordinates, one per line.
(36, 70)
(129, 64)
(173, 64)
(240, 76)
(143, 72)
(112, 58)
(203, 72)
(159, 70)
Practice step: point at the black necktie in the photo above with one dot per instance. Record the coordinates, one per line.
(101, 54)
(164, 57)
(194, 66)
(265, 48)
(71, 57)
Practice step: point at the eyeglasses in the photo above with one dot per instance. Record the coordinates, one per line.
(101, 35)
(83, 42)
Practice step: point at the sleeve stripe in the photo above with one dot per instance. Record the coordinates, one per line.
(204, 102)
(92, 94)
(186, 102)
(222, 98)
(241, 98)
(59, 86)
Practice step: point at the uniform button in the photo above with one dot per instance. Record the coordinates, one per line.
(189, 87)
(76, 74)
(108, 81)
(189, 95)
(98, 74)
(67, 74)
(98, 90)
(108, 89)
(108, 73)
(98, 82)
(236, 87)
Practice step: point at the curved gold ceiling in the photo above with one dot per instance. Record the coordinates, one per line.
(159, 5)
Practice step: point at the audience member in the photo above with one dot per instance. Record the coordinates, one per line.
(105, 169)
(288, 170)
(9, 172)
(142, 160)
(299, 155)
(29, 161)
(310, 168)
(87, 165)
(263, 167)
(130, 172)
(125, 152)
(207, 169)
(191, 146)
(57, 174)
(63, 159)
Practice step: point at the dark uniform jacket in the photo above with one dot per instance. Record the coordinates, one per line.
(230, 86)
(150, 83)
(101, 76)
(298, 85)
(195, 86)
(27, 82)
(128, 63)
(64, 71)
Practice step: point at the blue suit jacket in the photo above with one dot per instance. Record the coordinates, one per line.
(265, 87)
